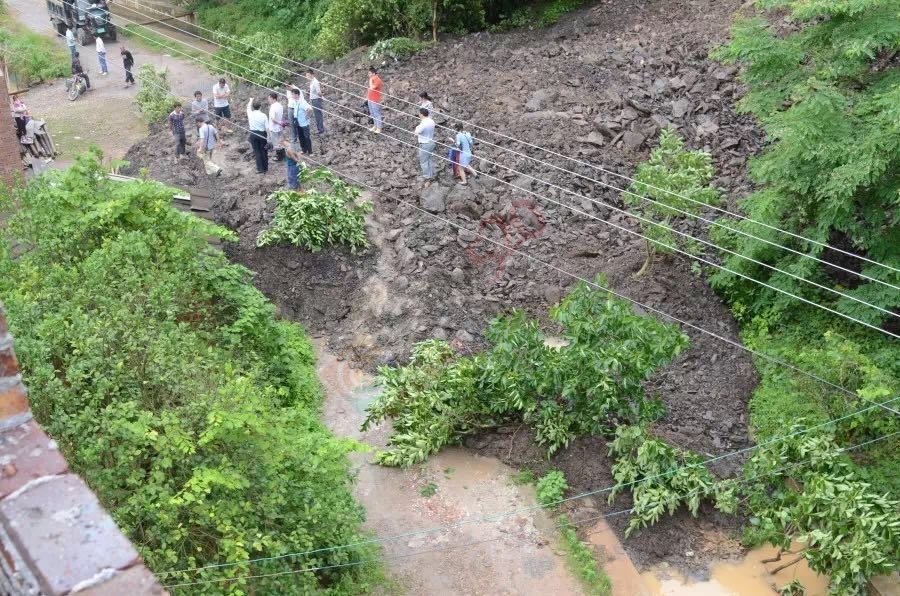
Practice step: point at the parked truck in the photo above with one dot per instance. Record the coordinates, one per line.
(88, 19)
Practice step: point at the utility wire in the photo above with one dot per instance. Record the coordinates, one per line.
(568, 158)
(591, 216)
(559, 526)
(883, 405)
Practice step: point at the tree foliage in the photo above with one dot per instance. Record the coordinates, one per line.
(803, 489)
(828, 95)
(313, 219)
(173, 390)
(670, 174)
(154, 97)
(30, 56)
(581, 388)
(662, 478)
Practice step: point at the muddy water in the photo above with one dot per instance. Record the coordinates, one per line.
(748, 577)
(510, 554)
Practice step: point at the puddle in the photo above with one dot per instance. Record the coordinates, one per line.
(748, 577)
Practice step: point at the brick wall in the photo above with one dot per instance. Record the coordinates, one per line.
(10, 159)
(55, 538)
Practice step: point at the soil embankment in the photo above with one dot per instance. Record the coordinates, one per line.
(598, 87)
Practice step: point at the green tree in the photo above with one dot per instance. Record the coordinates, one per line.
(173, 390)
(671, 171)
(828, 95)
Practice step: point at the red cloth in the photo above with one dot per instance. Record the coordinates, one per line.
(374, 93)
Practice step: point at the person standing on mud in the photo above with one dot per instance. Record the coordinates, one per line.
(200, 107)
(373, 96)
(128, 64)
(101, 56)
(425, 133)
(207, 135)
(292, 164)
(221, 106)
(257, 122)
(426, 102)
(275, 125)
(302, 112)
(176, 125)
(465, 144)
(315, 98)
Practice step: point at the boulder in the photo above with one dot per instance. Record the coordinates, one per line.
(680, 108)
(540, 99)
(434, 198)
(632, 141)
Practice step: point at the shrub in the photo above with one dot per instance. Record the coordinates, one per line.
(313, 219)
(670, 168)
(581, 560)
(578, 389)
(396, 49)
(803, 489)
(550, 488)
(171, 388)
(32, 57)
(661, 478)
(252, 57)
(154, 97)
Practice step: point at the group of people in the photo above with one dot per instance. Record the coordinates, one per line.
(267, 129)
(31, 134)
(100, 47)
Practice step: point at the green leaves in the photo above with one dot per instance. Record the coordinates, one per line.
(550, 488)
(313, 219)
(579, 389)
(154, 97)
(172, 389)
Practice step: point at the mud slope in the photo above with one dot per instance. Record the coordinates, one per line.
(598, 86)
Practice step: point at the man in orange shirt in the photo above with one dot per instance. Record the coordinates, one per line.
(374, 98)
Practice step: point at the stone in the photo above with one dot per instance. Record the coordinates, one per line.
(434, 198)
(607, 128)
(680, 108)
(594, 138)
(463, 336)
(458, 276)
(540, 99)
(632, 140)
(729, 142)
(659, 121)
(439, 333)
(68, 536)
(27, 453)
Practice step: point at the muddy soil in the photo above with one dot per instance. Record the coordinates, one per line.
(598, 86)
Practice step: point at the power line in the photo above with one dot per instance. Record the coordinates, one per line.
(494, 539)
(591, 216)
(883, 405)
(572, 159)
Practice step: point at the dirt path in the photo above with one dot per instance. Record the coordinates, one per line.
(517, 554)
(106, 116)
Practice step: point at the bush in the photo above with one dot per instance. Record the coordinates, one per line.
(396, 49)
(579, 389)
(582, 562)
(661, 478)
(550, 489)
(313, 219)
(32, 57)
(670, 168)
(252, 57)
(154, 97)
(171, 388)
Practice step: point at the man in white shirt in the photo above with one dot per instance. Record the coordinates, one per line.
(275, 125)
(221, 107)
(315, 98)
(257, 123)
(70, 41)
(425, 134)
(101, 56)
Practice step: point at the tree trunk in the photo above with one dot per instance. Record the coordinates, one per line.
(646, 266)
(434, 20)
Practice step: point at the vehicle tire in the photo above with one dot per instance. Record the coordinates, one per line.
(74, 91)
(85, 38)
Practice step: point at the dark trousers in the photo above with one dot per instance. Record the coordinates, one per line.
(258, 143)
(87, 79)
(305, 139)
(20, 126)
(317, 112)
(128, 76)
(180, 143)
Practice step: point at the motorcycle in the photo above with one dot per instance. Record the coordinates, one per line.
(75, 87)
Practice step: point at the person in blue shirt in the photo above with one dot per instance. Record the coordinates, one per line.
(301, 112)
(465, 144)
(292, 164)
